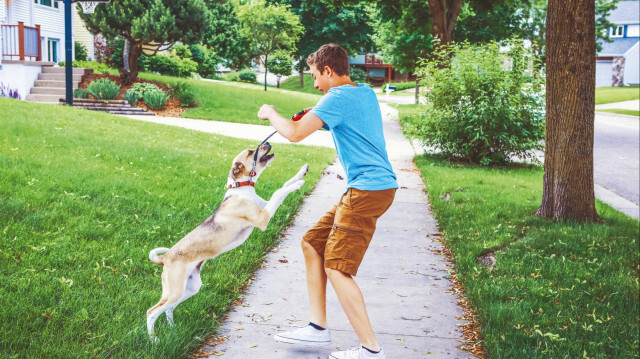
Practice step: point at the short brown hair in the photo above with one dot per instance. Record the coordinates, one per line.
(332, 55)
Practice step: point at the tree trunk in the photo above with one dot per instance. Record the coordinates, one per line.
(444, 14)
(265, 72)
(417, 90)
(278, 83)
(301, 72)
(568, 192)
(125, 54)
(128, 77)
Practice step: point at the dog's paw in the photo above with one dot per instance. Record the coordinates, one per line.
(303, 171)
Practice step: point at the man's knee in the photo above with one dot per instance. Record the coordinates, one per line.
(335, 273)
(308, 250)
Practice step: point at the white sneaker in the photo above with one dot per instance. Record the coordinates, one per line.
(307, 335)
(357, 353)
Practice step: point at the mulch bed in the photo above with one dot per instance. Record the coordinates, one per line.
(171, 108)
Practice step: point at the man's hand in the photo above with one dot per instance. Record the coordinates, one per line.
(266, 111)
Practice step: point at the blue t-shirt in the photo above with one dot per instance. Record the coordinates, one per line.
(352, 114)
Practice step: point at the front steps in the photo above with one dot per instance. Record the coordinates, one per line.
(118, 107)
(50, 87)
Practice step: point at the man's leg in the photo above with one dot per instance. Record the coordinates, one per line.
(352, 303)
(316, 284)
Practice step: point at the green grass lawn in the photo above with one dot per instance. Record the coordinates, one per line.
(238, 102)
(558, 290)
(623, 112)
(616, 94)
(84, 197)
(292, 83)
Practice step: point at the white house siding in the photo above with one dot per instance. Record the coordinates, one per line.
(82, 35)
(51, 21)
(631, 73)
(604, 72)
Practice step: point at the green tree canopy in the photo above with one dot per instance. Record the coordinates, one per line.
(281, 64)
(348, 25)
(148, 21)
(269, 27)
(223, 34)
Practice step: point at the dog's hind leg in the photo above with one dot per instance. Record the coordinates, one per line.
(173, 284)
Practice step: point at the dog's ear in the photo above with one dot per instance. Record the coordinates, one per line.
(237, 170)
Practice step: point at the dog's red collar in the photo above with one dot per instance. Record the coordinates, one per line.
(241, 184)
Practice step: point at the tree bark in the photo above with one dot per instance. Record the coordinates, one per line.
(568, 192)
(417, 99)
(301, 72)
(265, 72)
(444, 14)
(125, 54)
(128, 77)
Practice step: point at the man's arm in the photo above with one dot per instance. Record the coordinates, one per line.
(292, 131)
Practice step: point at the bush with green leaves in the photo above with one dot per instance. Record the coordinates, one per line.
(81, 93)
(357, 74)
(155, 100)
(479, 108)
(97, 67)
(132, 97)
(80, 51)
(183, 91)
(247, 75)
(141, 88)
(104, 89)
(171, 65)
(206, 59)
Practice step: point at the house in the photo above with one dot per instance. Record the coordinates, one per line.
(32, 36)
(618, 64)
(377, 71)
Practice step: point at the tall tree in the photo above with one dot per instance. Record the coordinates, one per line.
(568, 192)
(444, 15)
(223, 34)
(281, 65)
(269, 27)
(142, 22)
(404, 34)
(347, 24)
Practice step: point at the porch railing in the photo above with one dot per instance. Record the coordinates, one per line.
(20, 42)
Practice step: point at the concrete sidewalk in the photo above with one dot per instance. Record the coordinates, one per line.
(403, 280)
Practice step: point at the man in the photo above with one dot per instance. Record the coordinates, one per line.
(335, 246)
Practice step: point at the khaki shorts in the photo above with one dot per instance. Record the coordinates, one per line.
(343, 234)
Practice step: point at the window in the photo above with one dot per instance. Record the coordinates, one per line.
(49, 3)
(617, 31)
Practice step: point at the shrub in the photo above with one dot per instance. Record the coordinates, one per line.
(141, 88)
(104, 89)
(132, 97)
(183, 91)
(247, 75)
(98, 68)
(171, 65)
(155, 100)
(80, 51)
(81, 93)
(357, 74)
(478, 108)
(206, 59)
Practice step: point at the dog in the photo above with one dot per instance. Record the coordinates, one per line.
(228, 227)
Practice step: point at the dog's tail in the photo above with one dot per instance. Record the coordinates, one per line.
(153, 255)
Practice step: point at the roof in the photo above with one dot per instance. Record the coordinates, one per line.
(627, 12)
(618, 47)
